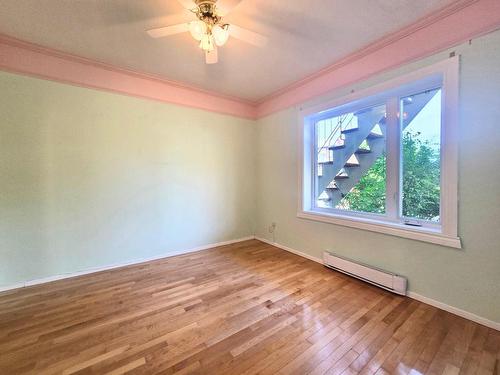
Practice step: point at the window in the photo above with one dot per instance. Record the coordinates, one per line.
(385, 159)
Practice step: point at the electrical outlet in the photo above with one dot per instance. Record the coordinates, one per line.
(272, 227)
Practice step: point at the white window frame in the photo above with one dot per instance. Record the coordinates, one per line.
(443, 74)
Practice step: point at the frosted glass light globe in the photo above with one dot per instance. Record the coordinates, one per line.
(197, 29)
(221, 35)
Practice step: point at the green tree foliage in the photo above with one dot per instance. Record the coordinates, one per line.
(369, 193)
(421, 182)
(421, 178)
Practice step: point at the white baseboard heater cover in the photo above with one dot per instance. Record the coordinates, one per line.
(383, 279)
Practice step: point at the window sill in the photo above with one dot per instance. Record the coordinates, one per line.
(394, 229)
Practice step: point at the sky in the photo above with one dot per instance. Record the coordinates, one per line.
(428, 121)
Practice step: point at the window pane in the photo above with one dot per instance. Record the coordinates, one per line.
(421, 155)
(351, 171)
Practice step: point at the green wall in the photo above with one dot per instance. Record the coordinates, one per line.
(468, 279)
(90, 179)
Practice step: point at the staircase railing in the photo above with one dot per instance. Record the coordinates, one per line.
(338, 127)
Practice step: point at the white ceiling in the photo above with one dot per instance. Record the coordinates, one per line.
(304, 36)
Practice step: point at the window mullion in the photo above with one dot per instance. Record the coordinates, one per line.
(393, 160)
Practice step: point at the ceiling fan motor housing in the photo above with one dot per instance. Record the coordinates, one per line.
(207, 11)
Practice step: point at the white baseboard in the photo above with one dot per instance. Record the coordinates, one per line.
(455, 310)
(416, 296)
(118, 265)
(289, 249)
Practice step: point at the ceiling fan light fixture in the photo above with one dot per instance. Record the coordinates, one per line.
(209, 29)
(221, 34)
(207, 43)
(197, 29)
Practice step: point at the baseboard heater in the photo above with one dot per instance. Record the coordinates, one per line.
(383, 279)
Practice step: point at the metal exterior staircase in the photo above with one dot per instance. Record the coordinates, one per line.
(350, 151)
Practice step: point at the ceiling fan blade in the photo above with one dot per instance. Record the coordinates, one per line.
(168, 30)
(247, 36)
(188, 4)
(211, 57)
(225, 6)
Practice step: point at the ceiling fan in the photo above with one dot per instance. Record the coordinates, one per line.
(209, 29)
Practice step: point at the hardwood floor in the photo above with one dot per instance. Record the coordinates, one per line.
(247, 308)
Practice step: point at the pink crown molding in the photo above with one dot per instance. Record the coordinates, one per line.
(452, 25)
(30, 59)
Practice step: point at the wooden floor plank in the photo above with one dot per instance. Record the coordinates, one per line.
(246, 308)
